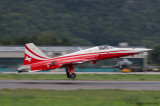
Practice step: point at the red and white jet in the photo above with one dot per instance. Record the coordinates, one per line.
(35, 60)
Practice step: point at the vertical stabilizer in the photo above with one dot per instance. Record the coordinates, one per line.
(33, 54)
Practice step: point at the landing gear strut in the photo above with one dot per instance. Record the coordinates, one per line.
(70, 72)
(67, 73)
(119, 64)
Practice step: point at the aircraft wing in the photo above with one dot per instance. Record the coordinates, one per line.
(75, 62)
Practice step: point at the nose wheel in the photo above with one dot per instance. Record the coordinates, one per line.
(120, 66)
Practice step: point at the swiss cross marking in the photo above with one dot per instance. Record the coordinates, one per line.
(28, 59)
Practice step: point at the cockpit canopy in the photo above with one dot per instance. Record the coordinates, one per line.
(105, 47)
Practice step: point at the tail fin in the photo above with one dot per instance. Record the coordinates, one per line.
(33, 54)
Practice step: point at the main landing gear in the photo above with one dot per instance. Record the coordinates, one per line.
(70, 72)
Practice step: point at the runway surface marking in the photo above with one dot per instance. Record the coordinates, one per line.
(74, 85)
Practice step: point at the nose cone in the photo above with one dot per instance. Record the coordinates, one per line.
(145, 50)
(140, 50)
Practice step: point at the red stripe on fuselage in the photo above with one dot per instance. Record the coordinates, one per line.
(86, 54)
(80, 55)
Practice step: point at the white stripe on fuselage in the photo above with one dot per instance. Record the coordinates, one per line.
(87, 53)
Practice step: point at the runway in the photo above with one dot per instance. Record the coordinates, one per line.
(139, 73)
(74, 85)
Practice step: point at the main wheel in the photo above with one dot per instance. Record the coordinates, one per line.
(73, 75)
(68, 76)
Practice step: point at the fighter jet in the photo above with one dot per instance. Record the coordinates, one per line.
(35, 60)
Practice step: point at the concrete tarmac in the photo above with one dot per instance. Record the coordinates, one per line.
(74, 85)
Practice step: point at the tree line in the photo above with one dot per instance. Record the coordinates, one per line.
(38, 40)
(86, 22)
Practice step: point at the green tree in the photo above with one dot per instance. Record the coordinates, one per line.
(65, 41)
(22, 40)
(47, 40)
(156, 54)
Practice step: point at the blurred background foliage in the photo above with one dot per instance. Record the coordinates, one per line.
(155, 54)
(80, 22)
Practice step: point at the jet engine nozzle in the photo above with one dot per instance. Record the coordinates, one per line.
(24, 68)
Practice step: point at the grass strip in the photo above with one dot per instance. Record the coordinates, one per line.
(30, 97)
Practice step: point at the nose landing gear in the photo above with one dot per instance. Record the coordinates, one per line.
(70, 72)
(120, 66)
